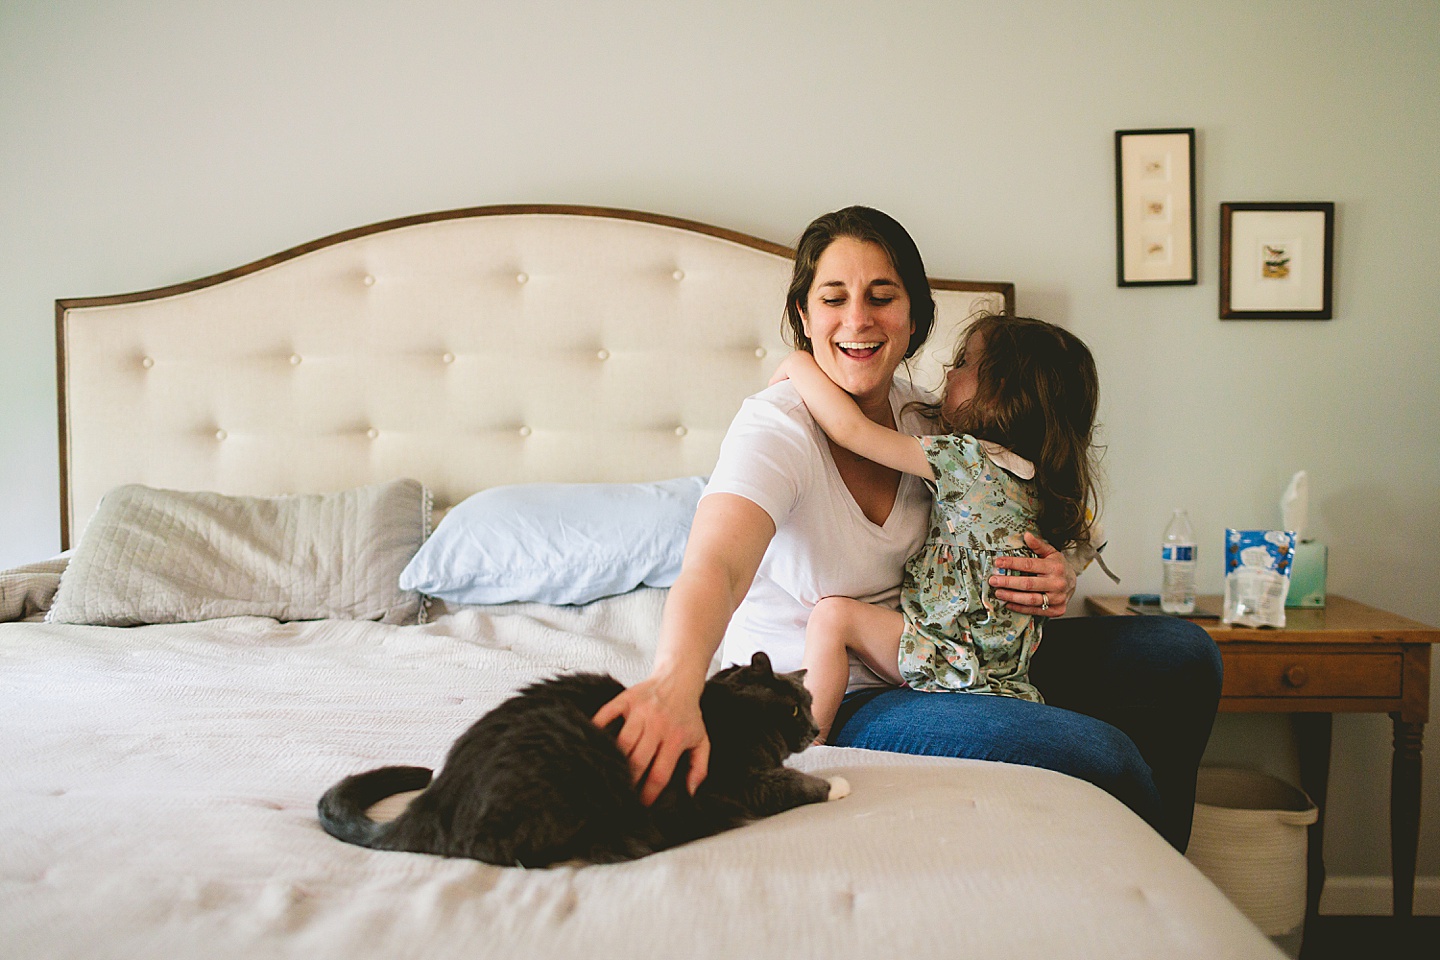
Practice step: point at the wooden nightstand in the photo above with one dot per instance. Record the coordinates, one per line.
(1343, 658)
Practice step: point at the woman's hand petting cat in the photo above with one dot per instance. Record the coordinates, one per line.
(1040, 586)
(662, 723)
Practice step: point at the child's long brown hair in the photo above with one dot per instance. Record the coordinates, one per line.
(1037, 393)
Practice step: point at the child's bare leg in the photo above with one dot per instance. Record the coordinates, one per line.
(838, 624)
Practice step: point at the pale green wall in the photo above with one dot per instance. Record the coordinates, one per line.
(144, 142)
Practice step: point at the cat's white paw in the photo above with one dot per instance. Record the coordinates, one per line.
(839, 788)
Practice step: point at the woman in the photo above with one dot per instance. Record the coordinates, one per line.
(789, 518)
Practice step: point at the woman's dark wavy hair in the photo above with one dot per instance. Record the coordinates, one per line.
(870, 226)
(1037, 393)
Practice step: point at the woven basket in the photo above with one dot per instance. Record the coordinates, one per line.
(1250, 840)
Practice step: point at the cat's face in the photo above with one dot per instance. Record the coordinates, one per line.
(782, 697)
(803, 730)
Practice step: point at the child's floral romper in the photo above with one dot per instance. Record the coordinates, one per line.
(957, 636)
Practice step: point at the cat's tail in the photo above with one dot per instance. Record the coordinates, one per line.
(342, 808)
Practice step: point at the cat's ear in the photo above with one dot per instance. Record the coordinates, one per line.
(761, 662)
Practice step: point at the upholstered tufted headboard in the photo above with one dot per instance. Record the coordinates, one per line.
(466, 349)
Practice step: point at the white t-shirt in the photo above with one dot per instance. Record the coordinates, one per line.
(776, 456)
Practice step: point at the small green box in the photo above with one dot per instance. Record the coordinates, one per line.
(1307, 576)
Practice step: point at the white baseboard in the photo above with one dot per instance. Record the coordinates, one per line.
(1371, 897)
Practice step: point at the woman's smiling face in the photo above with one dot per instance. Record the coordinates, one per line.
(857, 316)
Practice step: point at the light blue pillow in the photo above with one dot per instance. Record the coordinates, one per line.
(560, 543)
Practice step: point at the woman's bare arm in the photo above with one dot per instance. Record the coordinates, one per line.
(662, 712)
(842, 420)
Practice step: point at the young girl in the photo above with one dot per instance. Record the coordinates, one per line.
(1020, 403)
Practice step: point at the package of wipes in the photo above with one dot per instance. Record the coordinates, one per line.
(1257, 576)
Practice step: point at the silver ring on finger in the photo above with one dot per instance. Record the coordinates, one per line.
(1044, 602)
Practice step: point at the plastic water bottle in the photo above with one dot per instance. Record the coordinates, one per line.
(1177, 557)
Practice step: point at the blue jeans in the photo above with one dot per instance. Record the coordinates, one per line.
(1129, 703)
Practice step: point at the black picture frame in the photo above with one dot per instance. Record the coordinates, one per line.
(1155, 218)
(1270, 268)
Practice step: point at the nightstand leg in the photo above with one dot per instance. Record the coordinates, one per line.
(1312, 733)
(1405, 812)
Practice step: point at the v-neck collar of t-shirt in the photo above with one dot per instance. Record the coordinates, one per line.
(854, 507)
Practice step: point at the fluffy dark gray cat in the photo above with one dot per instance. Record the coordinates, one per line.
(534, 782)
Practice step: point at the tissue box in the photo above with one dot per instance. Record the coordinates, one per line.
(1307, 576)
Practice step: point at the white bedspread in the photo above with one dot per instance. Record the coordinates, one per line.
(158, 788)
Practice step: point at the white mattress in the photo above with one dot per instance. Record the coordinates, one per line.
(158, 788)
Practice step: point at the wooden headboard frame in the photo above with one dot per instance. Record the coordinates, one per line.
(465, 348)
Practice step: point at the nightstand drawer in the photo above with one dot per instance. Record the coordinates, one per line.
(1312, 674)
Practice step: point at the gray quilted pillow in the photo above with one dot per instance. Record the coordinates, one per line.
(165, 556)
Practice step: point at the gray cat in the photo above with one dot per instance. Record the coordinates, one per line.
(534, 782)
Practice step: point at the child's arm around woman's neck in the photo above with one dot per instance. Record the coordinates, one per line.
(842, 420)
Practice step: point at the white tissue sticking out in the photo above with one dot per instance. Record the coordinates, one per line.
(1295, 504)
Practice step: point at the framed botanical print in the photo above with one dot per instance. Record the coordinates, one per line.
(1155, 207)
(1277, 261)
